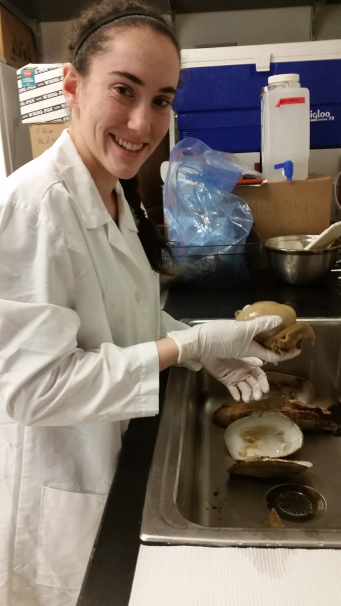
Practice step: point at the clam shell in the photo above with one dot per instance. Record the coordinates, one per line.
(289, 386)
(269, 468)
(262, 435)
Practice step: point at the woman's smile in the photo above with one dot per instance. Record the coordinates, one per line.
(128, 146)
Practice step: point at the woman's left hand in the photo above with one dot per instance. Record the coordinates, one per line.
(243, 377)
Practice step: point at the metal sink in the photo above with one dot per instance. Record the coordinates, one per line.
(192, 500)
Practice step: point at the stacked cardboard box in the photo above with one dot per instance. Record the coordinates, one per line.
(289, 207)
(17, 42)
(42, 104)
(44, 135)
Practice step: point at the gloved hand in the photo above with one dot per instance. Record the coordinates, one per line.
(221, 339)
(241, 376)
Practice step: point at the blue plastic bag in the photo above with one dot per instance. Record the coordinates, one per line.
(199, 207)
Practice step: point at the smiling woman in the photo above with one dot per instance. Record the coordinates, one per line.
(120, 115)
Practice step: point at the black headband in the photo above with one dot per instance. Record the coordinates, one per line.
(95, 26)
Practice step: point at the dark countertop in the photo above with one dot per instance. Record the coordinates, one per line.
(112, 564)
(321, 300)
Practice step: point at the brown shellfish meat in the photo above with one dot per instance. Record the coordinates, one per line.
(289, 339)
(285, 338)
(273, 520)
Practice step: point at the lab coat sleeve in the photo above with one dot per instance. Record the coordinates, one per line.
(45, 378)
(167, 324)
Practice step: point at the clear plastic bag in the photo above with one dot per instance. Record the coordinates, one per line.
(200, 209)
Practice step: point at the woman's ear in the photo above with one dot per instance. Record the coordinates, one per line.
(71, 81)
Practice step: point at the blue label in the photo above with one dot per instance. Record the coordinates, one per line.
(27, 76)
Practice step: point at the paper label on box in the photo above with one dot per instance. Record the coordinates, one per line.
(27, 76)
(41, 93)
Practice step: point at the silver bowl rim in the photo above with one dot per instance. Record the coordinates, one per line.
(324, 251)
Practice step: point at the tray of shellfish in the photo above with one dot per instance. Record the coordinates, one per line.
(237, 473)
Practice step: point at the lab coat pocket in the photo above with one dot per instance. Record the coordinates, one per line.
(67, 530)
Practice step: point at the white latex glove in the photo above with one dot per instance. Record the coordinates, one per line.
(242, 377)
(221, 339)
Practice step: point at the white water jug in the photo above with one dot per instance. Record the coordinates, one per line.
(285, 127)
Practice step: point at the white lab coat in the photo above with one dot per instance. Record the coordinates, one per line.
(79, 314)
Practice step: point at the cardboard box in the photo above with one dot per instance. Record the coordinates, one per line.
(40, 94)
(289, 207)
(44, 135)
(17, 42)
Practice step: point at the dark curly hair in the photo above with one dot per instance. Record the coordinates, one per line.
(84, 40)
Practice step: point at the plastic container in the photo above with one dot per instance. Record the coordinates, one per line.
(285, 127)
(214, 267)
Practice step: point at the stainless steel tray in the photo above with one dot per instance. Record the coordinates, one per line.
(190, 497)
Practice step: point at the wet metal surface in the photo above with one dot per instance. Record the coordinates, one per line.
(191, 499)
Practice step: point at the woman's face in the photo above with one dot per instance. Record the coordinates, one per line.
(121, 109)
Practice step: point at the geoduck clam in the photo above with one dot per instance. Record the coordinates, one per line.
(285, 338)
(258, 442)
(292, 396)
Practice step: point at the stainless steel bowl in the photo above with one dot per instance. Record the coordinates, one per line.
(293, 265)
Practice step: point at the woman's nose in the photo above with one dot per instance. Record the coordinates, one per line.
(140, 120)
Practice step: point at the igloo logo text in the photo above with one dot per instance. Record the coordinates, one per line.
(319, 116)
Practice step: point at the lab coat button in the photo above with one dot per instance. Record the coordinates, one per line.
(138, 297)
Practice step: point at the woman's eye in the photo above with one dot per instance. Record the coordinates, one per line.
(161, 102)
(123, 90)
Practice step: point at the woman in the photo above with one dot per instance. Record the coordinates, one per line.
(82, 338)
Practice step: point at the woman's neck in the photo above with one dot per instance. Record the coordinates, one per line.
(111, 204)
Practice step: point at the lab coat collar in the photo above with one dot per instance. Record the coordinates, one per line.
(81, 186)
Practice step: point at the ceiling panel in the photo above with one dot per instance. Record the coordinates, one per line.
(202, 6)
(62, 10)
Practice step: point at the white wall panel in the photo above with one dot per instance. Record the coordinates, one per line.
(262, 26)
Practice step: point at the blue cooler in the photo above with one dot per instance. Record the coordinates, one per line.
(219, 100)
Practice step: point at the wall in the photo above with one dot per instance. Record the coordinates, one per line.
(52, 39)
(329, 23)
(262, 26)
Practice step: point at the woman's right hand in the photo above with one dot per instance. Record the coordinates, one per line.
(221, 339)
